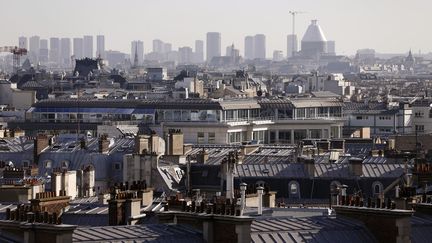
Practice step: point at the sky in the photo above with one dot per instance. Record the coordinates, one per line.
(388, 26)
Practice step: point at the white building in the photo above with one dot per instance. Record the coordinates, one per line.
(185, 55)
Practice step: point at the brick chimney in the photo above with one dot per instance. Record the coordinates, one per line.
(175, 142)
(104, 144)
(41, 142)
(355, 166)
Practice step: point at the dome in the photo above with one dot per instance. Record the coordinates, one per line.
(314, 33)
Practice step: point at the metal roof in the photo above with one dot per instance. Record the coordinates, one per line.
(137, 233)
(309, 229)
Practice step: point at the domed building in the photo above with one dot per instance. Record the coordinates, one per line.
(314, 42)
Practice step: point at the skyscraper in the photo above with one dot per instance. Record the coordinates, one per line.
(260, 46)
(137, 52)
(292, 45)
(23, 42)
(199, 51)
(249, 47)
(54, 51)
(65, 51)
(167, 47)
(213, 45)
(185, 55)
(158, 46)
(100, 46)
(34, 46)
(43, 51)
(88, 46)
(78, 48)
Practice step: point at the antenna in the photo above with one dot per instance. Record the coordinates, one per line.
(294, 13)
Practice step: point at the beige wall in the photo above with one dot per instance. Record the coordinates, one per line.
(23, 99)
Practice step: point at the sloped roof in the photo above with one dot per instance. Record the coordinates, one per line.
(314, 33)
(309, 229)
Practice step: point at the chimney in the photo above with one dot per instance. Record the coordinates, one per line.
(243, 187)
(309, 166)
(142, 144)
(260, 190)
(104, 144)
(41, 142)
(202, 156)
(175, 142)
(132, 209)
(355, 166)
(385, 224)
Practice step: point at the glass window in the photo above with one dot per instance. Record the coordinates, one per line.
(299, 135)
(272, 136)
(200, 137)
(315, 133)
(211, 138)
(285, 136)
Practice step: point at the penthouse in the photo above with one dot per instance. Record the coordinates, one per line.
(203, 120)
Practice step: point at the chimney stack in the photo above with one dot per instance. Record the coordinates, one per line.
(309, 166)
(202, 157)
(355, 166)
(104, 144)
(175, 142)
(260, 190)
(142, 143)
(41, 142)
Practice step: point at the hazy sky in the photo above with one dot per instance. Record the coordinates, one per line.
(389, 26)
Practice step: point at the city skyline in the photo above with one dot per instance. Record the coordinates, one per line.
(360, 22)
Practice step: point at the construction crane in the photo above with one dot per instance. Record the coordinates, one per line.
(294, 13)
(17, 53)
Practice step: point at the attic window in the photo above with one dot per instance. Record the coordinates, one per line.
(205, 173)
(117, 166)
(48, 164)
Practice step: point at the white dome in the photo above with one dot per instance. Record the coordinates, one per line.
(314, 33)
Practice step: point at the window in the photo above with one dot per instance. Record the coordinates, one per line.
(377, 188)
(200, 137)
(285, 136)
(419, 128)
(385, 117)
(299, 135)
(294, 189)
(117, 166)
(272, 137)
(362, 117)
(430, 113)
(48, 164)
(26, 163)
(315, 133)
(211, 138)
(419, 114)
(65, 164)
